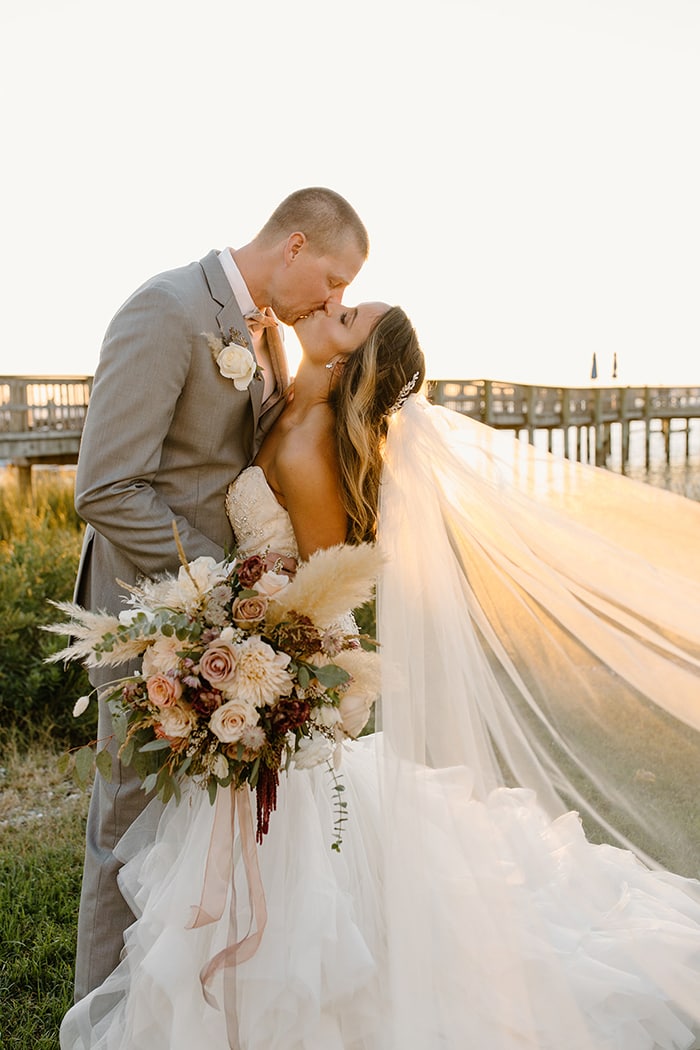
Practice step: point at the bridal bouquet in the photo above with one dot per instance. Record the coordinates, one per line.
(243, 673)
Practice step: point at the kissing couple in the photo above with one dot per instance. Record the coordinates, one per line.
(518, 646)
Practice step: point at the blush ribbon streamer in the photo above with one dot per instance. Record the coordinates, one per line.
(218, 887)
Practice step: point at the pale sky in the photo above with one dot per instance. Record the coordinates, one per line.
(528, 170)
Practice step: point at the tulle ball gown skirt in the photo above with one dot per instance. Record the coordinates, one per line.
(493, 929)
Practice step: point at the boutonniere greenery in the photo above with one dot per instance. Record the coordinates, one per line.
(234, 358)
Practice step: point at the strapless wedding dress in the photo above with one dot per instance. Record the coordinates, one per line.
(547, 942)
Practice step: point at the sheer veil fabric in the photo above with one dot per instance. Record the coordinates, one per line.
(540, 624)
(528, 642)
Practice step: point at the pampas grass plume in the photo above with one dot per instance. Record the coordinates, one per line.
(328, 585)
(86, 630)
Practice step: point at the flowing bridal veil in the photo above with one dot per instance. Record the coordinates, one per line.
(539, 628)
(540, 624)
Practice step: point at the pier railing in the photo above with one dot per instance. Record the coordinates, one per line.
(584, 414)
(41, 420)
(42, 417)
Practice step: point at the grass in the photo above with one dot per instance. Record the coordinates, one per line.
(42, 814)
(42, 837)
(39, 552)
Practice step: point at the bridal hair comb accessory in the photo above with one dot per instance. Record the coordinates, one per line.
(403, 394)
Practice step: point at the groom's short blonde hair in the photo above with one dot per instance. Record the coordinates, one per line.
(325, 218)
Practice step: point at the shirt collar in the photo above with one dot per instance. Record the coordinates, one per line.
(238, 285)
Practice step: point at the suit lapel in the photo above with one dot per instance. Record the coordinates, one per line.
(219, 288)
(230, 320)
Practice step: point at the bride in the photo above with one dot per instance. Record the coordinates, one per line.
(534, 669)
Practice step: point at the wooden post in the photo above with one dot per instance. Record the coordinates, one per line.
(24, 480)
(625, 437)
(488, 403)
(19, 409)
(565, 414)
(599, 428)
(531, 415)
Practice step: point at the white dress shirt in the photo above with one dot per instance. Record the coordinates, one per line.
(247, 306)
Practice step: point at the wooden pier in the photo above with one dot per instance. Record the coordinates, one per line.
(41, 417)
(41, 421)
(585, 415)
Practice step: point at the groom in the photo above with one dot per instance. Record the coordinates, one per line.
(190, 378)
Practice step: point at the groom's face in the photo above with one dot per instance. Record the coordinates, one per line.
(307, 281)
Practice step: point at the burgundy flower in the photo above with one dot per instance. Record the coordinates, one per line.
(250, 571)
(266, 798)
(206, 701)
(288, 714)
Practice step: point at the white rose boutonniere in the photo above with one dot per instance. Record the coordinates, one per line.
(234, 359)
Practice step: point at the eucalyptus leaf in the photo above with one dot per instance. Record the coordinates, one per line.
(331, 675)
(64, 762)
(155, 745)
(212, 789)
(103, 762)
(84, 763)
(127, 752)
(184, 766)
(149, 782)
(120, 724)
(254, 773)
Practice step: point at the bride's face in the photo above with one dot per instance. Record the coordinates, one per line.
(337, 329)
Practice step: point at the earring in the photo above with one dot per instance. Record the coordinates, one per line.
(331, 364)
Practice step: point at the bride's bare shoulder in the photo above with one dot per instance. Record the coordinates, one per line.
(306, 469)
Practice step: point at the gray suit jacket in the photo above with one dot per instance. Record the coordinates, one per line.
(165, 433)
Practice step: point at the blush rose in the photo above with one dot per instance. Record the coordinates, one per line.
(228, 721)
(218, 662)
(247, 612)
(163, 690)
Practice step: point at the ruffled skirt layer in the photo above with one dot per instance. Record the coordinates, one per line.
(509, 931)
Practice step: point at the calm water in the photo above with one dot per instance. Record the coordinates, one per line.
(682, 475)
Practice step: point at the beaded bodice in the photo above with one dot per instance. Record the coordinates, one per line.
(259, 522)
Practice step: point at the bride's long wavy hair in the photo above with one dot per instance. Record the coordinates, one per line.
(363, 395)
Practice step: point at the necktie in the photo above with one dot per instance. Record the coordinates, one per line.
(256, 320)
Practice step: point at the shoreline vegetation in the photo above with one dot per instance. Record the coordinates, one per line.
(42, 811)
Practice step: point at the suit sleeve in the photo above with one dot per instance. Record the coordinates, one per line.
(142, 372)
